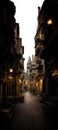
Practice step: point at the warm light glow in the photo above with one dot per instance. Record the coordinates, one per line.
(11, 70)
(55, 73)
(49, 22)
(41, 81)
(26, 82)
(20, 81)
(40, 35)
(10, 77)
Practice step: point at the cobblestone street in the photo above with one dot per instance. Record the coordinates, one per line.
(31, 116)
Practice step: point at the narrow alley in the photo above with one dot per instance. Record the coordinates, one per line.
(30, 115)
(28, 94)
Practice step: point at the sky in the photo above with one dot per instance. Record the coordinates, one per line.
(26, 15)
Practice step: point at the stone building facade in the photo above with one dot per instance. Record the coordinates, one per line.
(47, 33)
(11, 51)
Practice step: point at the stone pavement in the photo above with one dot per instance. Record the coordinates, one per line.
(6, 113)
(31, 116)
(50, 104)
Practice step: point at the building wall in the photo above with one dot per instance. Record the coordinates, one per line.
(47, 27)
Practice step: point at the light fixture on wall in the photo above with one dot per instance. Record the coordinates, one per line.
(49, 21)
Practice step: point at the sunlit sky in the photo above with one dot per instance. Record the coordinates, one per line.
(26, 15)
